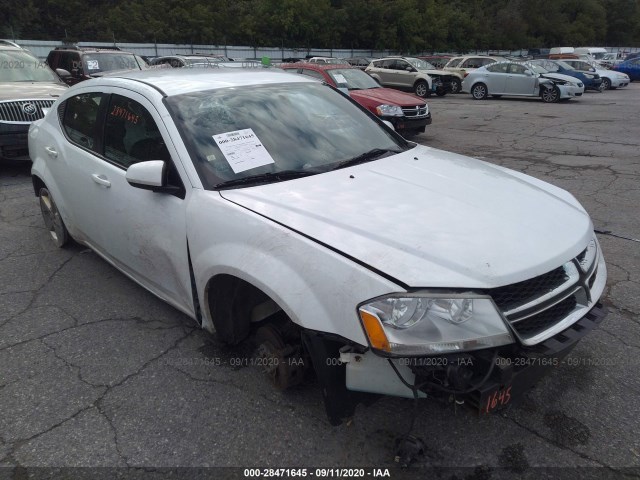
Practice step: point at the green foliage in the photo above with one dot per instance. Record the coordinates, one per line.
(406, 25)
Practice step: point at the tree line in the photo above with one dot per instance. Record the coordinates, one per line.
(404, 25)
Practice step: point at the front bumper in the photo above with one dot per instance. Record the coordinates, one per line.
(567, 91)
(408, 124)
(13, 142)
(619, 82)
(487, 380)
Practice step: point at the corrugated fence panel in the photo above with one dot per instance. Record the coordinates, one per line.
(41, 48)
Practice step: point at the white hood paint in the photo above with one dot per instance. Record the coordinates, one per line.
(431, 218)
(560, 76)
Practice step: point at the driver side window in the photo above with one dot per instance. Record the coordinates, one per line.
(516, 69)
(131, 135)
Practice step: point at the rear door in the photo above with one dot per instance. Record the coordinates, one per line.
(495, 78)
(140, 231)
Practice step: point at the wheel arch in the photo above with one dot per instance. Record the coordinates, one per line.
(232, 304)
(38, 183)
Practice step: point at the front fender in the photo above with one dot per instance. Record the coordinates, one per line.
(317, 287)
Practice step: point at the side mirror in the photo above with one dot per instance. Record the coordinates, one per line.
(592, 69)
(62, 73)
(528, 73)
(147, 175)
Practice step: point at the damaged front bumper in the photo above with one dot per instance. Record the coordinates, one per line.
(487, 380)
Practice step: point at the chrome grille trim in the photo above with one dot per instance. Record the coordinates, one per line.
(415, 112)
(533, 319)
(12, 111)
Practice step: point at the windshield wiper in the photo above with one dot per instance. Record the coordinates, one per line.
(365, 157)
(270, 177)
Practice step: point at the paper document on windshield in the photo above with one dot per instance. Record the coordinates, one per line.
(243, 150)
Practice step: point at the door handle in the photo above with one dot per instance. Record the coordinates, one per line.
(101, 180)
(51, 152)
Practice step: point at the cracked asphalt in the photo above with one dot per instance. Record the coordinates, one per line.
(97, 372)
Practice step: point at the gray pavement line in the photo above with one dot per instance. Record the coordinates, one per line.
(611, 234)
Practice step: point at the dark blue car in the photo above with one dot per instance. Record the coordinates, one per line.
(592, 81)
(630, 67)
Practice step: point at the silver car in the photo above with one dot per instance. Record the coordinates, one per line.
(522, 80)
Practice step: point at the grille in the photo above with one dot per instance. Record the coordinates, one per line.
(542, 306)
(23, 111)
(415, 112)
(520, 293)
(531, 326)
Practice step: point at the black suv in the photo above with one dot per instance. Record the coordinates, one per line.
(75, 64)
(28, 89)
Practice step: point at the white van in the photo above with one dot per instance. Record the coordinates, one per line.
(596, 52)
(561, 50)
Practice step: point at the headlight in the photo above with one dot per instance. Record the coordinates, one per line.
(428, 324)
(389, 111)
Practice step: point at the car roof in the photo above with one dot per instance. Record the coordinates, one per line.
(170, 82)
(319, 66)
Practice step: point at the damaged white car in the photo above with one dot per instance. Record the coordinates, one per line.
(266, 205)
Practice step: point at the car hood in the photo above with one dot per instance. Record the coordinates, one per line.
(559, 76)
(30, 90)
(387, 95)
(429, 218)
(108, 73)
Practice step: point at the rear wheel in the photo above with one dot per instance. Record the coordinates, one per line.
(550, 94)
(52, 219)
(479, 91)
(421, 89)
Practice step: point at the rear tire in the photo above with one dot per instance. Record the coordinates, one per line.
(52, 219)
(479, 91)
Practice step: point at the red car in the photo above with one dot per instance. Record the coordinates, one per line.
(408, 113)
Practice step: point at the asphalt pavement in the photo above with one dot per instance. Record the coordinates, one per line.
(97, 372)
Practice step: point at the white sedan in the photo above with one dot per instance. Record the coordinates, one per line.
(267, 203)
(521, 80)
(610, 78)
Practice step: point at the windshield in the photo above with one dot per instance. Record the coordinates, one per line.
(599, 55)
(538, 68)
(353, 78)
(420, 64)
(454, 62)
(240, 132)
(19, 66)
(106, 62)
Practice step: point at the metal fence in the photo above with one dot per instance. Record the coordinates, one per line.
(41, 49)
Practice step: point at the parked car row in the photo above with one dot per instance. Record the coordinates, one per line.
(373, 83)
